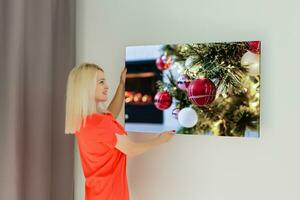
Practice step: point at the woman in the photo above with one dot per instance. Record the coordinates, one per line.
(103, 143)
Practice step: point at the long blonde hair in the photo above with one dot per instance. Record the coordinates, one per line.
(80, 96)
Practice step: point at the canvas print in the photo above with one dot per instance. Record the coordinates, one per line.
(194, 88)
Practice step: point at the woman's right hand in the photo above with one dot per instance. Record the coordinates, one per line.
(166, 136)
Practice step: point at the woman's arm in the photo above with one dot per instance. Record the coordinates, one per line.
(130, 148)
(116, 103)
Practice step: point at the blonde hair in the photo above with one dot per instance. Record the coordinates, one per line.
(80, 96)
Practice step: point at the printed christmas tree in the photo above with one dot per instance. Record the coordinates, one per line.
(215, 87)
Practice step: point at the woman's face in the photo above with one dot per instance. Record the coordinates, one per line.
(101, 87)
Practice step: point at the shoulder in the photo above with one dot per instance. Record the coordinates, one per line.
(91, 122)
(107, 112)
(94, 119)
(97, 118)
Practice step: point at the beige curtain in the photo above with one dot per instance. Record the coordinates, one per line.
(37, 50)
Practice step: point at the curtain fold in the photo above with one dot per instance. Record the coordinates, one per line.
(37, 40)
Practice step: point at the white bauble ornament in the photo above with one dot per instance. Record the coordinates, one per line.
(187, 117)
(251, 60)
(254, 69)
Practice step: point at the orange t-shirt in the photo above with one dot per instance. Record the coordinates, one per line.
(104, 166)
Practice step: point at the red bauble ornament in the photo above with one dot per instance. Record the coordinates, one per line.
(202, 91)
(162, 100)
(254, 47)
(163, 62)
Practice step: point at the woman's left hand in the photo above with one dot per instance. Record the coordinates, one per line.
(123, 76)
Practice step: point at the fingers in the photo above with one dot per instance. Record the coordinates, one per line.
(172, 132)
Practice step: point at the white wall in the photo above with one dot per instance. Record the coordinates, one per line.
(203, 167)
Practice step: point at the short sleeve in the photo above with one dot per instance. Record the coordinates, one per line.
(99, 130)
(104, 132)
